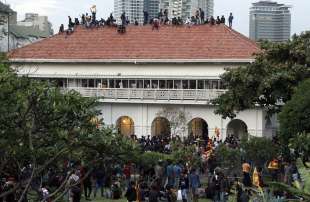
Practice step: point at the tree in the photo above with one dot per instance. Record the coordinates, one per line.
(294, 120)
(178, 119)
(42, 127)
(269, 81)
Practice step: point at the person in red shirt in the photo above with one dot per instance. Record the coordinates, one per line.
(127, 173)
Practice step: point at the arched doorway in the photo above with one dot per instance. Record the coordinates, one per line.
(125, 126)
(198, 127)
(237, 128)
(161, 126)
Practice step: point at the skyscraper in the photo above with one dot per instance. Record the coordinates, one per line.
(134, 9)
(187, 8)
(270, 21)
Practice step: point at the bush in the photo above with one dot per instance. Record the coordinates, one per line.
(259, 150)
(150, 159)
(228, 159)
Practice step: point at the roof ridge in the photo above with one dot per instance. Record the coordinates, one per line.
(242, 36)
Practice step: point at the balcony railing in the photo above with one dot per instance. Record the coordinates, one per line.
(149, 94)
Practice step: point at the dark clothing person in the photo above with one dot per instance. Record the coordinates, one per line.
(218, 20)
(76, 191)
(87, 186)
(146, 17)
(244, 197)
(202, 16)
(230, 20)
(83, 19)
(153, 195)
(71, 24)
(212, 20)
(61, 29)
(246, 179)
(99, 180)
(223, 20)
(131, 193)
(136, 22)
(76, 21)
(123, 19)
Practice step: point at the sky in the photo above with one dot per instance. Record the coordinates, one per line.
(58, 10)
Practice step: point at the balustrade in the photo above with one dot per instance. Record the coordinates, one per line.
(149, 94)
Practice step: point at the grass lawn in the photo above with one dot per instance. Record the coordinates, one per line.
(124, 200)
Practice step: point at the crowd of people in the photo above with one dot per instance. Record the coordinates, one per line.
(91, 21)
(167, 180)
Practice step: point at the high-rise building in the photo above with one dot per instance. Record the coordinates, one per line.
(36, 21)
(134, 9)
(207, 6)
(187, 8)
(270, 21)
(152, 7)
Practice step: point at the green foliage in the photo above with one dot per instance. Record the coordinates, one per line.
(259, 150)
(43, 126)
(185, 154)
(228, 159)
(295, 116)
(269, 81)
(150, 159)
(294, 120)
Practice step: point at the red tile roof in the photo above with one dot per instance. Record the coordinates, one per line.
(141, 42)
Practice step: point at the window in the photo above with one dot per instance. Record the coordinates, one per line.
(170, 84)
(155, 84)
(111, 83)
(91, 83)
(84, 83)
(177, 84)
(162, 84)
(192, 84)
(132, 84)
(200, 84)
(185, 84)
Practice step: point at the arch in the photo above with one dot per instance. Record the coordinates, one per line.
(161, 126)
(198, 127)
(238, 128)
(125, 126)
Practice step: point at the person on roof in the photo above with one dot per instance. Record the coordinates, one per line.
(161, 16)
(230, 20)
(166, 19)
(61, 29)
(223, 20)
(136, 22)
(155, 24)
(83, 20)
(93, 11)
(188, 22)
(218, 20)
(197, 16)
(212, 20)
(146, 17)
(202, 16)
(123, 19)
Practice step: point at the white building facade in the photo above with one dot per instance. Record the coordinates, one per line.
(142, 96)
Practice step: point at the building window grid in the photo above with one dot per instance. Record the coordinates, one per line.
(190, 84)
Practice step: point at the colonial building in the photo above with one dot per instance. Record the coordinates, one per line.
(146, 79)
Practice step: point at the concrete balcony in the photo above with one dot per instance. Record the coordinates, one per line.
(136, 95)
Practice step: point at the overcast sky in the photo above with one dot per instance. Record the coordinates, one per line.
(58, 10)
